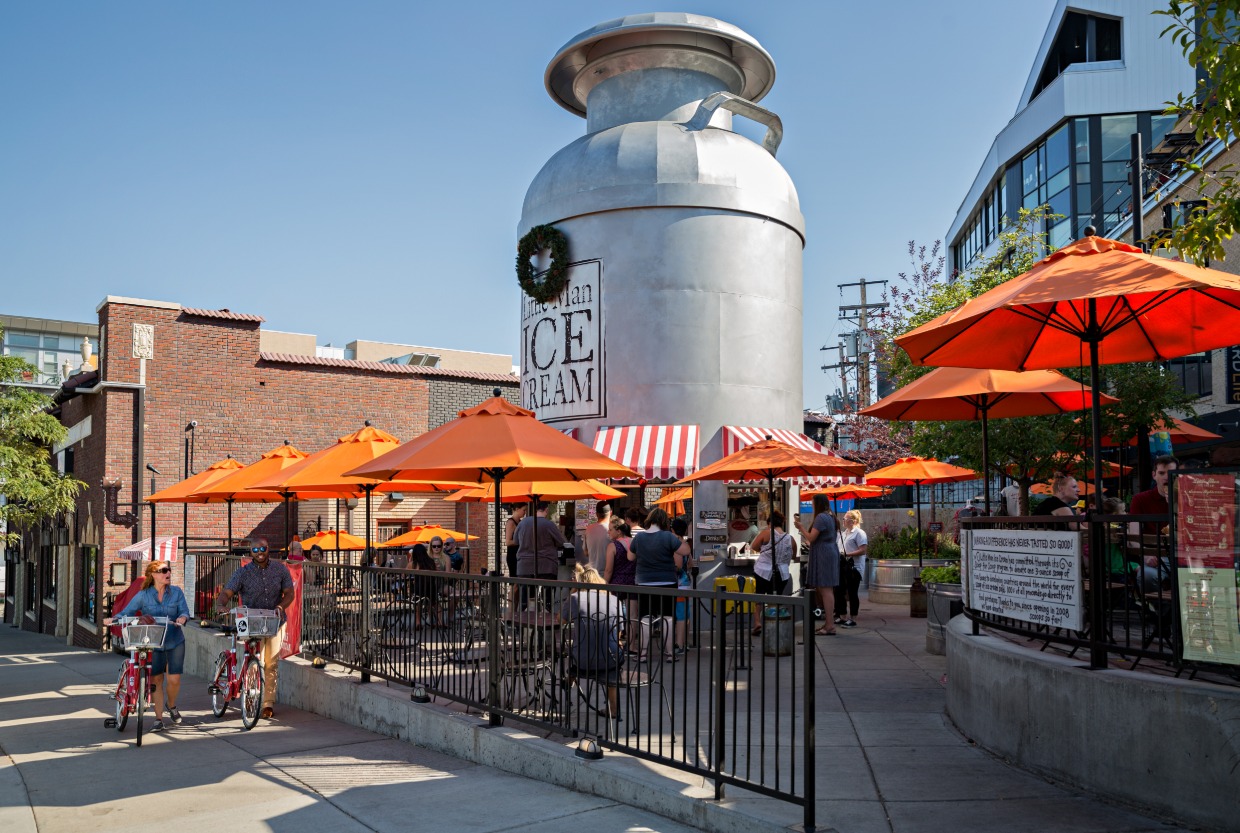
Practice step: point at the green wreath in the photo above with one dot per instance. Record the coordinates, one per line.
(549, 284)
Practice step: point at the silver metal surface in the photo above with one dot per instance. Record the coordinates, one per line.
(691, 236)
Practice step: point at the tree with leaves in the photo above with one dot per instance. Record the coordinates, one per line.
(33, 490)
(1208, 32)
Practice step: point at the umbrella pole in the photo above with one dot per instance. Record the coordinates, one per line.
(985, 455)
(337, 530)
(287, 537)
(229, 501)
(1097, 647)
(493, 715)
(917, 497)
(367, 588)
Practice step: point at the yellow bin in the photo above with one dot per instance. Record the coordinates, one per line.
(736, 584)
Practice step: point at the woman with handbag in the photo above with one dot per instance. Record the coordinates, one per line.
(853, 546)
(772, 570)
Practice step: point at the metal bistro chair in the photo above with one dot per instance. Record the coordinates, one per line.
(651, 637)
(595, 662)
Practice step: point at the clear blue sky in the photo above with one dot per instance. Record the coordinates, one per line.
(356, 169)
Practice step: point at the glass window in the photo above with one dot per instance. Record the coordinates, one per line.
(1029, 173)
(1107, 39)
(1115, 172)
(1058, 182)
(31, 356)
(1082, 173)
(1060, 234)
(1061, 203)
(21, 339)
(1081, 127)
(1160, 126)
(1057, 152)
(1003, 202)
(1117, 137)
(88, 607)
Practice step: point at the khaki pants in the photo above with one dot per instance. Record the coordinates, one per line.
(271, 666)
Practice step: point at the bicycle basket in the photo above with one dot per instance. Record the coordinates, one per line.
(255, 623)
(144, 636)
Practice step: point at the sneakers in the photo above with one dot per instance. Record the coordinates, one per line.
(159, 726)
(174, 714)
(848, 623)
(839, 620)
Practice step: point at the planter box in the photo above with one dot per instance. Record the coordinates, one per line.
(892, 577)
(943, 602)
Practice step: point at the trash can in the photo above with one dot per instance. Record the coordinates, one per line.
(777, 631)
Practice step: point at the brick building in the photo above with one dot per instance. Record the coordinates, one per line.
(162, 366)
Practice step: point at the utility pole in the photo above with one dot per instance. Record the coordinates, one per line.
(843, 367)
(860, 314)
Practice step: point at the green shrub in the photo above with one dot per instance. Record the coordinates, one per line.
(949, 574)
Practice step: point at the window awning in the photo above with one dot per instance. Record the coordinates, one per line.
(656, 452)
(736, 437)
(575, 433)
(166, 550)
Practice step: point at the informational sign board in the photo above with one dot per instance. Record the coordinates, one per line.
(934, 526)
(562, 348)
(711, 553)
(1233, 375)
(712, 519)
(713, 537)
(1030, 574)
(1207, 566)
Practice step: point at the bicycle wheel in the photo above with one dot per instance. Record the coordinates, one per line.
(219, 685)
(121, 695)
(141, 702)
(251, 693)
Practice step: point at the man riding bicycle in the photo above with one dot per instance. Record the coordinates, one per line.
(268, 585)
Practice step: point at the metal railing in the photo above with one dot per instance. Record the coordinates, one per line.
(694, 690)
(1137, 604)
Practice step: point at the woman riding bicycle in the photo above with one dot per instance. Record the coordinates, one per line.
(158, 597)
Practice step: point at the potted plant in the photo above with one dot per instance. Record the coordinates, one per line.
(945, 599)
(892, 561)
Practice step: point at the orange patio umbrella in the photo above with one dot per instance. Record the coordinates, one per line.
(183, 492)
(330, 539)
(848, 491)
(960, 393)
(1095, 295)
(549, 490)
(235, 487)
(769, 459)
(1178, 431)
(675, 499)
(1086, 488)
(424, 534)
(323, 474)
(918, 471)
(493, 441)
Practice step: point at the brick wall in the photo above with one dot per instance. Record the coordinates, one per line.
(208, 369)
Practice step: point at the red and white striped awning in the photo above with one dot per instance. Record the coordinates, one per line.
(736, 437)
(656, 452)
(575, 433)
(165, 551)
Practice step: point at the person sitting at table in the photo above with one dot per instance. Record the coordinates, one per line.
(1155, 570)
(1065, 493)
(425, 588)
(456, 559)
(596, 617)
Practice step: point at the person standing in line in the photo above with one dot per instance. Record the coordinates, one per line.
(684, 581)
(517, 514)
(543, 562)
(159, 597)
(824, 557)
(659, 554)
(855, 544)
(772, 570)
(296, 552)
(598, 542)
(266, 585)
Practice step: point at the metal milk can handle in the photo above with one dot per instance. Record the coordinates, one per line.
(741, 107)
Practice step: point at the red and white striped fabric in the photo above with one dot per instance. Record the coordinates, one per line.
(736, 437)
(166, 550)
(575, 433)
(656, 452)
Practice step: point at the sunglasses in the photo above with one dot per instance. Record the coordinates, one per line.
(436, 546)
(258, 549)
(164, 570)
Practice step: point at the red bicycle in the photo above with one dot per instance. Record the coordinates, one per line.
(134, 687)
(252, 626)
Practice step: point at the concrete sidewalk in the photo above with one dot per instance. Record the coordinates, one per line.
(61, 770)
(888, 759)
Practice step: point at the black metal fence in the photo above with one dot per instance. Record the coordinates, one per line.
(1132, 609)
(671, 675)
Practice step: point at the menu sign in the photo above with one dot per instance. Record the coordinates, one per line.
(1030, 574)
(1206, 566)
(562, 348)
(711, 519)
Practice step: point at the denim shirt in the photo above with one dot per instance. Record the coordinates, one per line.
(173, 606)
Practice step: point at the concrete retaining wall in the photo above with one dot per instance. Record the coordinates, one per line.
(1166, 744)
(387, 710)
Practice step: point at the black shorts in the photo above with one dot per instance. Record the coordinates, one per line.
(512, 560)
(650, 605)
(773, 586)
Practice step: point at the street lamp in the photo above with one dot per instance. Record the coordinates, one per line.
(190, 433)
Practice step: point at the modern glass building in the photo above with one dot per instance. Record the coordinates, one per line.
(1101, 74)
